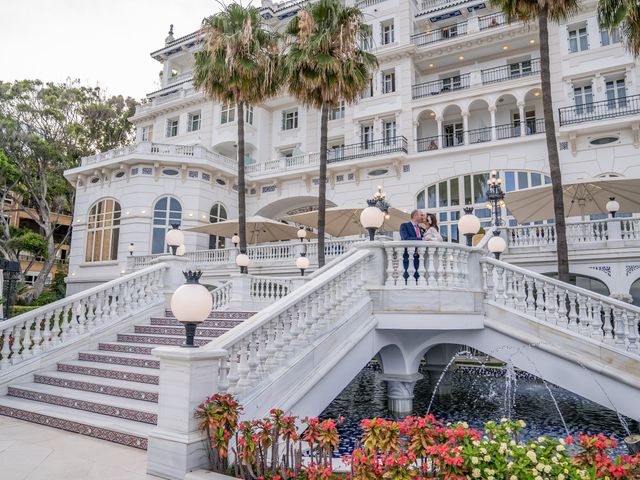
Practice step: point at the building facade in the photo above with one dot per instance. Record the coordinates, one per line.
(456, 95)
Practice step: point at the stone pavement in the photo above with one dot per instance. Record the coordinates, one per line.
(33, 452)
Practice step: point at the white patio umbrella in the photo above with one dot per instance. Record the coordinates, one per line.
(582, 197)
(259, 230)
(345, 221)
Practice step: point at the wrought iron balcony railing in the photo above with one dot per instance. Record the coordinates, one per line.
(588, 112)
(512, 71)
(437, 87)
(439, 35)
(492, 21)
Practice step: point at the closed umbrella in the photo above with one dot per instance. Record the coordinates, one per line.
(345, 221)
(259, 230)
(582, 197)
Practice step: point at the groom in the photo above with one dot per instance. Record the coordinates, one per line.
(412, 231)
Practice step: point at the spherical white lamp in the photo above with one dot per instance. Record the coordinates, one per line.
(175, 238)
(496, 244)
(242, 260)
(469, 224)
(613, 206)
(372, 219)
(302, 234)
(181, 250)
(235, 239)
(191, 304)
(131, 248)
(302, 262)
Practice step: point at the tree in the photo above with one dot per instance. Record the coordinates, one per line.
(238, 65)
(324, 66)
(44, 129)
(544, 11)
(623, 14)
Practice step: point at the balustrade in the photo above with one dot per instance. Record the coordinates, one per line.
(493, 20)
(512, 71)
(587, 112)
(438, 87)
(266, 289)
(572, 308)
(32, 333)
(577, 233)
(221, 296)
(439, 34)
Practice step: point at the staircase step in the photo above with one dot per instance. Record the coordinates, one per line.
(158, 340)
(214, 323)
(124, 347)
(179, 330)
(221, 314)
(113, 429)
(105, 386)
(120, 358)
(117, 372)
(129, 409)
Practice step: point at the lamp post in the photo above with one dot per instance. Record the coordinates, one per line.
(131, 248)
(372, 217)
(235, 239)
(469, 224)
(302, 262)
(191, 304)
(302, 234)
(175, 238)
(496, 244)
(242, 260)
(613, 206)
(495, 195)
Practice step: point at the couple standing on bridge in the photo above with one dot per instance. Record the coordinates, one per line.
(413, 230)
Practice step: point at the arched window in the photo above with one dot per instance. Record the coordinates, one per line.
(217, 214)
(586, 282)
(103, 231)
(635, 292)
(446, 198)
(166, 212)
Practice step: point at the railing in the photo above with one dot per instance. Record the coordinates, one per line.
(492, 21)
(512, 71)
(480, 135)
(32, 333)
(440, 86)
(179, 78)
(630, 228)
(426, 264)
(581, 311)
(368, 3)
(221, 296)
(262, 345)
(439, 35)
(269, 289)
(603, 110)
(427, 5)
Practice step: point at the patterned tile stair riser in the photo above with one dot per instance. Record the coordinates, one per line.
(113, 374)
(124, 348)
(173, 341)
(172, 322)
(179, 331)
(222, 314)
(88, 386)
(115, 360)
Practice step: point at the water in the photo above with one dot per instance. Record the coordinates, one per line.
(476, 402)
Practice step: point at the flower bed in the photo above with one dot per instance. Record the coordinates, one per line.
(416, 448)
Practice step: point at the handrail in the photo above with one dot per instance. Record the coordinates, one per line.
(221, 296)
(604, 109)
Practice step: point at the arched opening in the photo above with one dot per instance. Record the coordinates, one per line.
(217, 214)
(103, 231)
(427, 131)
(167, 211)
(452, 127)
(634, 291)
(479, 122)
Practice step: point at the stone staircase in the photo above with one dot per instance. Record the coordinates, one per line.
(110, 393)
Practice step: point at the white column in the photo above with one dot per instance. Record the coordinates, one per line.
(492, 111)
(173, 276)
(400, 391)
(187, 377)
(440, 139)
(522, 119)
(465, 127)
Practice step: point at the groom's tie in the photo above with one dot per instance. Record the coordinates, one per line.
(417, 230)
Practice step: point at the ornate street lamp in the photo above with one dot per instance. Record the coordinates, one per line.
(191, 304)
(131, 248)
(302, 234)
(242, 260)
(469, 224)
(372, 217)
(175, 238)
(496, 244)
(302, 262)
(495, 195)
(235, 239)
(613, 206)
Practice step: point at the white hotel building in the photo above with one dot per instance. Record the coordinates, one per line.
(457, 94)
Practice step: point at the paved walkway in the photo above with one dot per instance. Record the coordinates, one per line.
(33, 452)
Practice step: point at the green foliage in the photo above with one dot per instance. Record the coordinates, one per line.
(623, 14)
(25, 241)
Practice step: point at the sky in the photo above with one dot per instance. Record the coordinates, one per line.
(99, 42)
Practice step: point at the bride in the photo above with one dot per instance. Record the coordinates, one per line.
(433, 231)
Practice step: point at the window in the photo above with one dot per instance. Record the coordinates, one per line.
(287, 153)
(366, 136)
(166, 212)
(336, 152)
(389, 132)
(529, 122)
(290, 119)
(227, 113)
(387, 32)
(389, 81)
(194, 121)
(248, 114)
(172, 127)
(520, 69)
(217, 214)
(103, 231)
(616, 93)
(450, 32)
(337, 112)
(583, 97)
(366, 40)
(147, 133)
(367, 92)
(453, 135)
(451, 83)
(609, 37)
(578, 39)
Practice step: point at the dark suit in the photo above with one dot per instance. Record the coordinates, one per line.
(408, 232)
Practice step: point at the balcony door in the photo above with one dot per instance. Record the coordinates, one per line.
(529, 122)
(583, 97)
(520, 69)
(453, 135)
(451, 83)
(616, 94)
(366, 136)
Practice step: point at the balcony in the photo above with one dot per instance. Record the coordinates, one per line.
(441, 86)
(492, 21)
(440, 34)
(512, 71)
(480, 135)
(603, 110)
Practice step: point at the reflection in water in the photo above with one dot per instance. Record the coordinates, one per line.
(475, 399)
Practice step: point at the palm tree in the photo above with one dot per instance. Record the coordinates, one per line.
(624, 14)
(238, 65)
(324, 66)
(545, 11)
